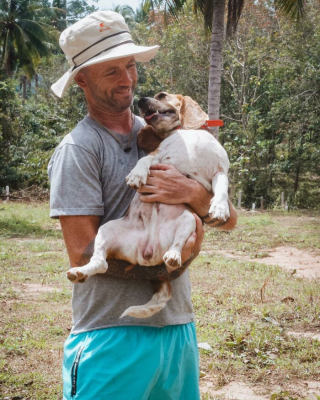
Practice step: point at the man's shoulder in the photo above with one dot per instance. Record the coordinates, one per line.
(83, 135)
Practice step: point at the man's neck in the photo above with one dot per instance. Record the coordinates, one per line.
(120, 122)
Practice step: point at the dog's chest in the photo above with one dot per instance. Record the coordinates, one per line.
(195, 153)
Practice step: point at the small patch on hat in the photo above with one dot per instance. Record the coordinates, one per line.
(103, 27)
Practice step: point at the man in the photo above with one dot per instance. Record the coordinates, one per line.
(107, 357)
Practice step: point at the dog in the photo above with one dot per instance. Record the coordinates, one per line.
(159, 231)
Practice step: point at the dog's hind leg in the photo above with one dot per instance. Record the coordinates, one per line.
(162, 293)
(105, 246)
(185, 225)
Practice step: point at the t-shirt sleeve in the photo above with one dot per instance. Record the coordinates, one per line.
(75, 183)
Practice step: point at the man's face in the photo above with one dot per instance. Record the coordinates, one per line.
(110, 85)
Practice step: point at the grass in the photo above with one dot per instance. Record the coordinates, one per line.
(247, 332)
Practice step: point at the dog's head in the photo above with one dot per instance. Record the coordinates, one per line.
(164, 113)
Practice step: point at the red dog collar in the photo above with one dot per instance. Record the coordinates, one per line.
(212, 122)
(208, 124)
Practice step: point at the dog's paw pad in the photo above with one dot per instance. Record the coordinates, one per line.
(76, 276)
(172, 260)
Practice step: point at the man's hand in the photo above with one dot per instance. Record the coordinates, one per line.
(165, 184)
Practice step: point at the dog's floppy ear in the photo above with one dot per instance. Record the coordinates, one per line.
(147, 140)
(191, 115)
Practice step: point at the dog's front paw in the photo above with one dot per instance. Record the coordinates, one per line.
(219, 211)
(76, 276)
(172, 260)
(137, 177)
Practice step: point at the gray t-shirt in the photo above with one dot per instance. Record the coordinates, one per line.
(87, 173)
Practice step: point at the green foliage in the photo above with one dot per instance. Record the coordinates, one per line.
(30, 133)
(270, 96)
(181, 66)
(10, 133)
(25, 38)
(269, 102)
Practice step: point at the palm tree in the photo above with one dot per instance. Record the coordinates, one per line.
(142, 13)
(139, 16)
(24, 39)
(213, 12)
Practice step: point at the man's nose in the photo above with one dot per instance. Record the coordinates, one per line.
(125, 78)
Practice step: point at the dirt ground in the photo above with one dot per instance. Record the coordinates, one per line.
(305, 264)
(242, 391)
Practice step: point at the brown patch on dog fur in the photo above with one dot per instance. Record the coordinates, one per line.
(147, 139)
(129, 267)
(158, 285)
(117, 254)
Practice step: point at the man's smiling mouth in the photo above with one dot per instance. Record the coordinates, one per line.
(124, 91)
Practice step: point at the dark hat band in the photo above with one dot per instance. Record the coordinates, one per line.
(99, 41)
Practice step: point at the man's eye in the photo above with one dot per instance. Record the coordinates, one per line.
(111, 72)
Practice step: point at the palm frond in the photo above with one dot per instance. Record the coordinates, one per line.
(206, 9)
(39, 29)
(293, 8)
(235, 8)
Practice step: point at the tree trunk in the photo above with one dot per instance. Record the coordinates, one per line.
(24, 88)
(296, 180)
(217, 38)
(36, 79)
(298, 166)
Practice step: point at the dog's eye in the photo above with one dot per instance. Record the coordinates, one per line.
(161, 96)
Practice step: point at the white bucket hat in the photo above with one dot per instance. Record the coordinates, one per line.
(101, 36)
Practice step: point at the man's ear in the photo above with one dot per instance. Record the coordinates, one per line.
(80, 79)
(191, 115)
(147, 140)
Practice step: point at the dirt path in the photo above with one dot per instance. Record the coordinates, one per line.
(305, 263)
(241, 391)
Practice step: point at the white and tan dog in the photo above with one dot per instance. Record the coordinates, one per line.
(151, 233)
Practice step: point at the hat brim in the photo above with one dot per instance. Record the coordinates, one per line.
(141, 53)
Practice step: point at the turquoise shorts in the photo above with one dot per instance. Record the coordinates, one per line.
(132, 363)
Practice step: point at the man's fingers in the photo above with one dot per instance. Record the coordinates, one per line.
(199, 227)
(148, 198)
(190, 241)
(162, 167)
(146, 189)
(187, 250)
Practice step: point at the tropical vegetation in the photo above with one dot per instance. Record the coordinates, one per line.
(270, 91)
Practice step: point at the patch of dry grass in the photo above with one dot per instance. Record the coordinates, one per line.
(239, 305)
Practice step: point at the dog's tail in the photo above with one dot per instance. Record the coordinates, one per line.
(162, 293)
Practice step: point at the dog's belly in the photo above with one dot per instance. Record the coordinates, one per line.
(148, 230)
(195, 153)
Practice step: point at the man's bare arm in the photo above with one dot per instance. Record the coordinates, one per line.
(79, 232)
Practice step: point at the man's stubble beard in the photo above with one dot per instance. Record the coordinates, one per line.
(115, 105)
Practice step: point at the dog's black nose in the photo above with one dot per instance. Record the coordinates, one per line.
(142, 101)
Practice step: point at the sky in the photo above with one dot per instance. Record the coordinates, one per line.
(109, 4)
